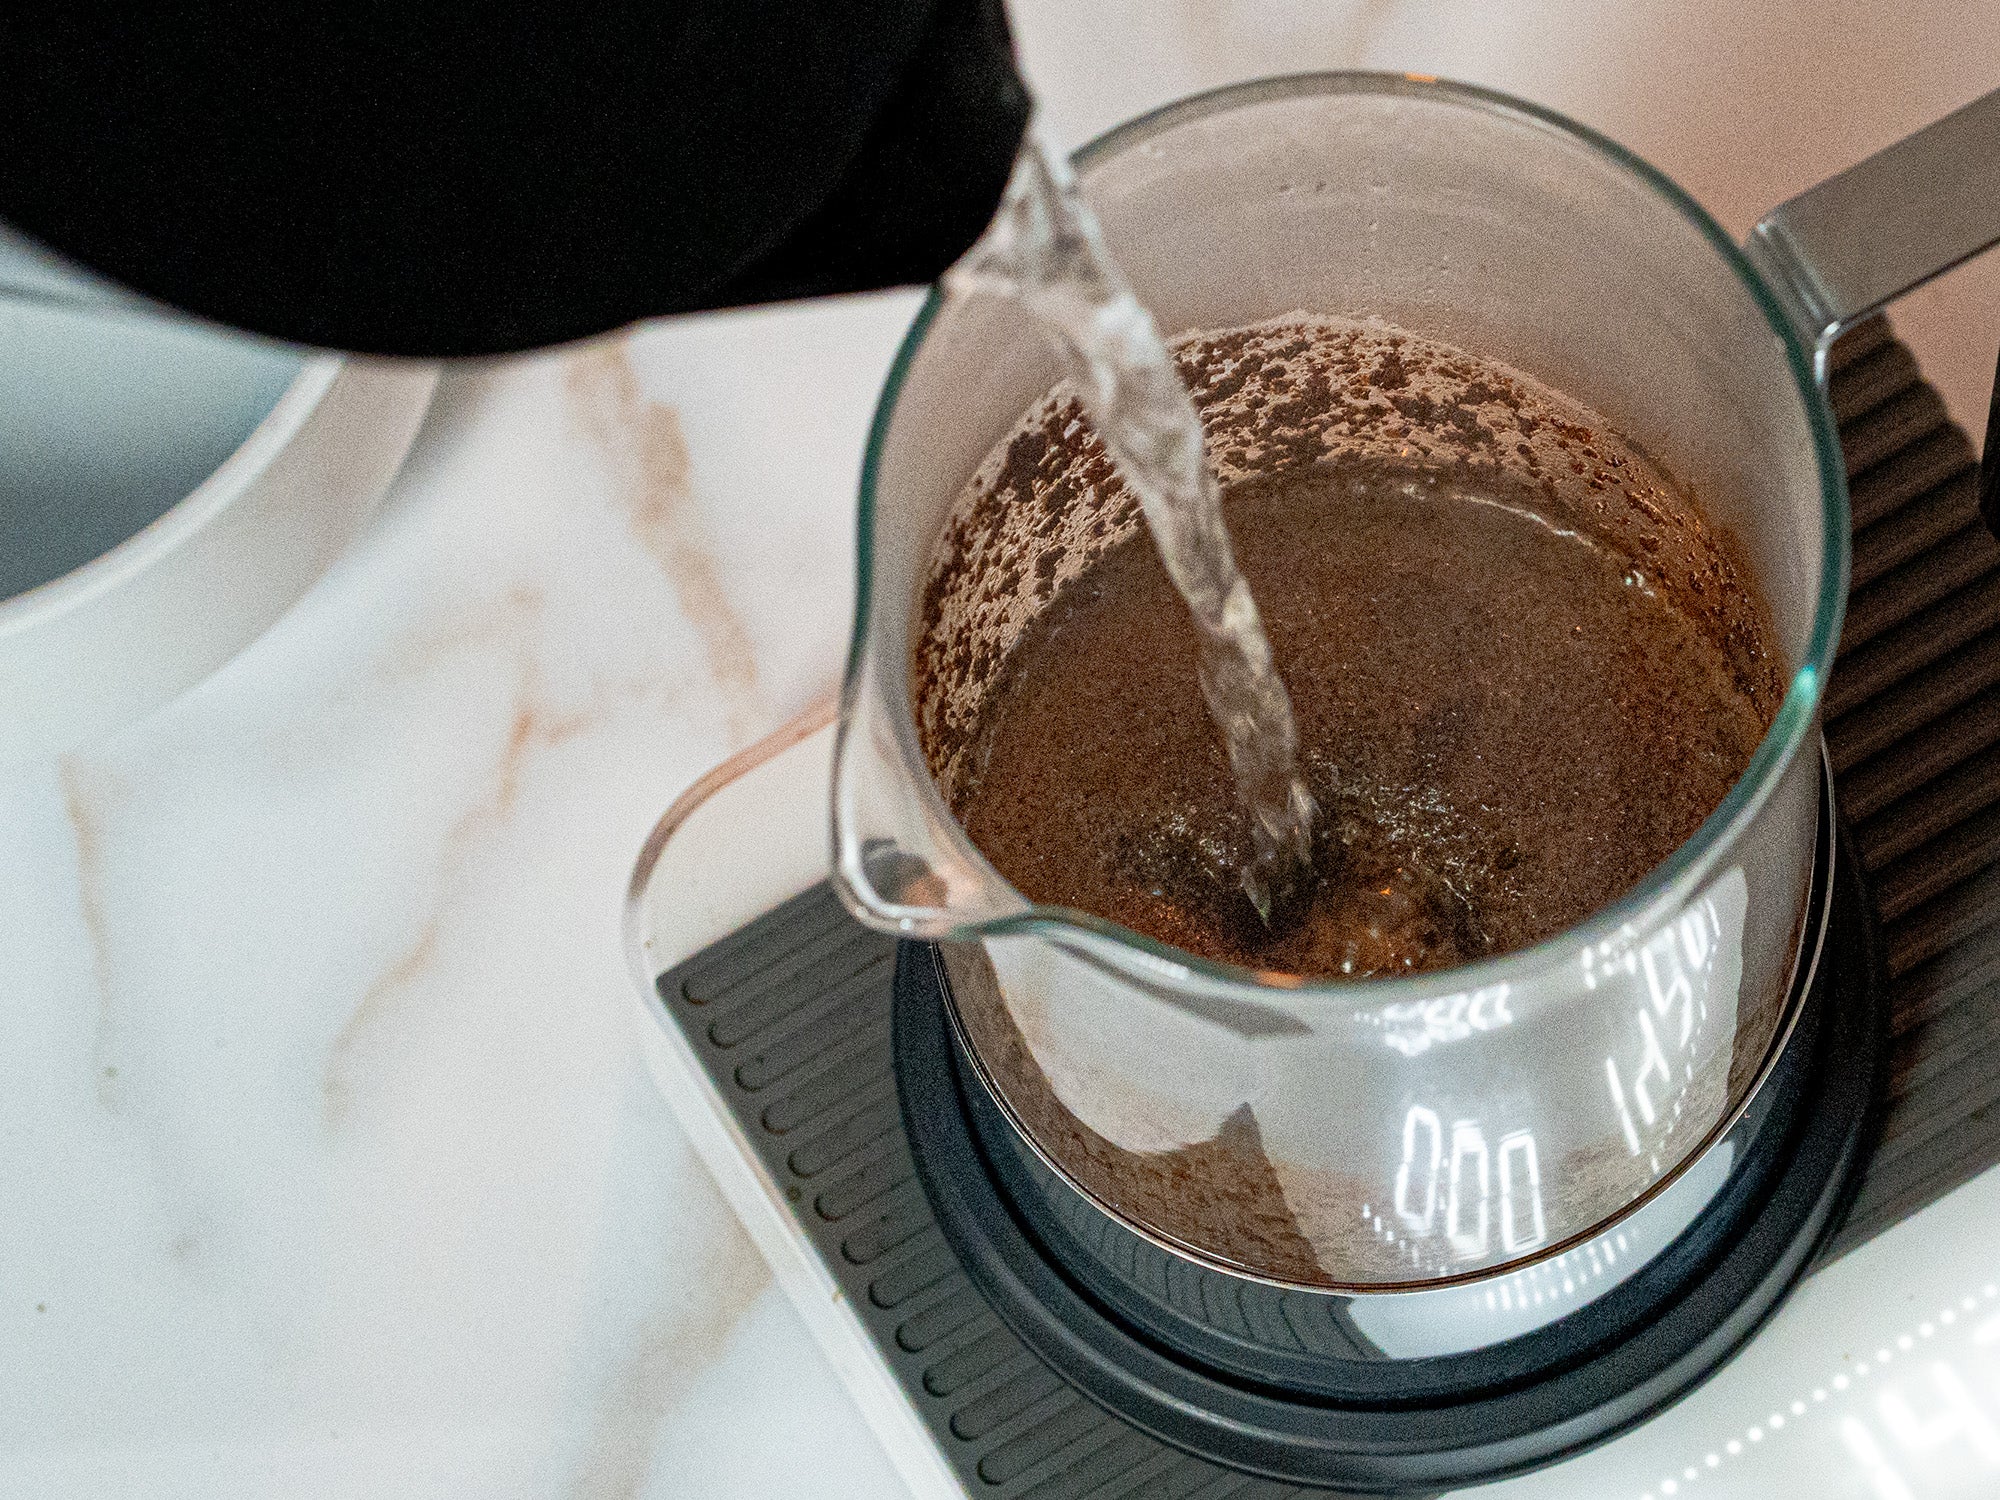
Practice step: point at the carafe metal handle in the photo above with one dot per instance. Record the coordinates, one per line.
(1885, 226)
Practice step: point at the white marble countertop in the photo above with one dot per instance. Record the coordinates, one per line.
(329, 1168)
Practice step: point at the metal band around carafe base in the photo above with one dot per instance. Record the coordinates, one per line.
(1484, 1308)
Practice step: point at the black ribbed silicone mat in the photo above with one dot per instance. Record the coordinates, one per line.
(790, 1016)
(1913, 726)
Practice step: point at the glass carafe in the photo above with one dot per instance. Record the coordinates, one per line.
(1417, 1129)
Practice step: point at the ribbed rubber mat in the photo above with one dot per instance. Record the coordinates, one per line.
(790, 1016)
(1913, 726)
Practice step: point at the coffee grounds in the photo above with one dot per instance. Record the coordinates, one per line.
(1523, 665)
(1505, 723)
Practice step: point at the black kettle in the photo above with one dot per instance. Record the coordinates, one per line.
(450, 178)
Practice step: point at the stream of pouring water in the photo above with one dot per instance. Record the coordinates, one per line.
(1045, 250)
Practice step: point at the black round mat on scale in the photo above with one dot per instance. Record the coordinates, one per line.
(1413, 1427)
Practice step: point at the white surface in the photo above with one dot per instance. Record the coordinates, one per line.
(330, 1167)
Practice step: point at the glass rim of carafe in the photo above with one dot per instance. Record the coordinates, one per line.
(1665, 886)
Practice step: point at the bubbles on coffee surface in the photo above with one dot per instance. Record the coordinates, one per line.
(1365, 910)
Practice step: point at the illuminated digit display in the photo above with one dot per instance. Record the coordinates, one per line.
(1468, 1188)
(1420, 1125)
(1675, 979)
(1413, 1027)
(1523, 1227)
(1476, 1120)
(1481, 1186)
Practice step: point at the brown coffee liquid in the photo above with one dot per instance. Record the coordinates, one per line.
(1506, 723)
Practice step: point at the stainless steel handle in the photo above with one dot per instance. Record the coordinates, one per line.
(1885, 226)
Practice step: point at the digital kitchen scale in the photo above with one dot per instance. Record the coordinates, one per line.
(768, 1024)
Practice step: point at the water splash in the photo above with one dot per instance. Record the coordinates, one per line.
(1045, 250)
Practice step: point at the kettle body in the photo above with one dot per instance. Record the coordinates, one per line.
(459, 179)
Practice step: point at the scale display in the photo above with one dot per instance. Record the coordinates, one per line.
(1878, 1380)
